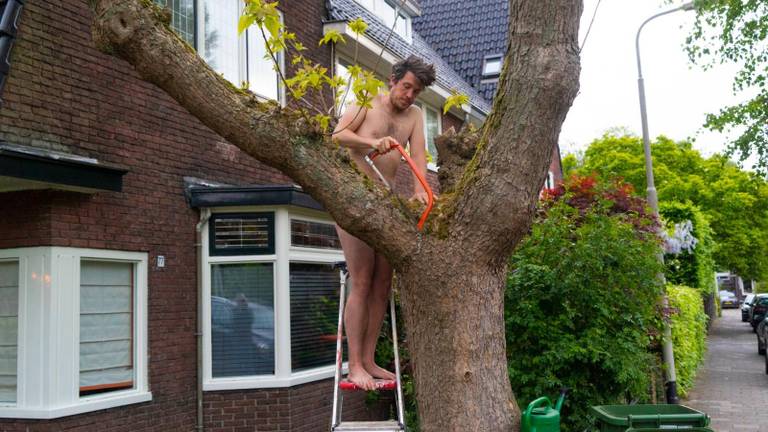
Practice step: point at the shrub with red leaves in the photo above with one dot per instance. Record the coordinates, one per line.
(585, 193)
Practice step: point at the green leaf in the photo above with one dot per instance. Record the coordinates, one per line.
(455, 99)
(244, 22)
(358, 26)
(332, 36)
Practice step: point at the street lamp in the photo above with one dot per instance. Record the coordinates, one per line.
(667, 353)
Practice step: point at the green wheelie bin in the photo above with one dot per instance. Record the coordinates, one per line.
(647, 418)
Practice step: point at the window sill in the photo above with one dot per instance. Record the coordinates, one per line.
(295, 379)
(85, 405)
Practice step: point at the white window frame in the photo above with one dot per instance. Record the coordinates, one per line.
(378, 11)
(432, 166)
(491, 76)
(242, 50)
(284, 254)
(49, 333)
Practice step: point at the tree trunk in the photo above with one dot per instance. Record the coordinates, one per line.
(452, 275)
(454, 320)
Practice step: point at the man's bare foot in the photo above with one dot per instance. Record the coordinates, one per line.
(378, 372)
(361, 378)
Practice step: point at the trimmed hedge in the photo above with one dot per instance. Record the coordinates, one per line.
(689, 333)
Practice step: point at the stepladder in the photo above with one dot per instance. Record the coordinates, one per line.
(343, 386)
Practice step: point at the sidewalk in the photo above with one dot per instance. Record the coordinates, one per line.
(732, 386)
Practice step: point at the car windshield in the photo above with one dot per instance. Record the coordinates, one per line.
(748, 298)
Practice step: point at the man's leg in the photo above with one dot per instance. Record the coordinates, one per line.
(378, 299)
(360, 263)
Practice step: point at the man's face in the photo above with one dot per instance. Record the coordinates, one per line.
(404, 92)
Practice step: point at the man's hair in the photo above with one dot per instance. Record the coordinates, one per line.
(423, 71)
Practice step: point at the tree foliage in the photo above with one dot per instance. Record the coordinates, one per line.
(734, 201)
(580, 302)
(737, 31)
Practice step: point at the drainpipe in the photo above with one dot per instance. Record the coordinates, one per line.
(205, 214)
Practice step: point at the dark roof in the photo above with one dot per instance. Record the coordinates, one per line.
(378, 31)
(200, 194)
(464, 32)
(24, 167)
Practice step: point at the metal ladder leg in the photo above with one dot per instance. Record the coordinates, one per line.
(337, 398)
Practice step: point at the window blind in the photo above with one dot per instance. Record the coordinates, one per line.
(106, 326)
(9, 326)
(314, 235)
(314, 315)
(242, 319)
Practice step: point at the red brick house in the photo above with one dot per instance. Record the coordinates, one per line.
(152, 276)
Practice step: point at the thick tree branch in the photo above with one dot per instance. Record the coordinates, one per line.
(454, 151)
(536, 89)
(138, 32)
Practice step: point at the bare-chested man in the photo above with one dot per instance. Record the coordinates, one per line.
(393, 119)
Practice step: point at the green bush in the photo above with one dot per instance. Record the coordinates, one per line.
(689, 333)
(580, 306)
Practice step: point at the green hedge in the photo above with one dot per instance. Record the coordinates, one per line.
(580, 305)
(689, 333)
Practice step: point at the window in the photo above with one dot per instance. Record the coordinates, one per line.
(314, 235)
(242, 319)
(492, 66)
(182, 17)
(96, 334)
(9, 328)
(388, 11)
(270, 318)
(314, 315)
(432, 129)
(242, 234)
(106, 326)
(549, 182)
(240, 59)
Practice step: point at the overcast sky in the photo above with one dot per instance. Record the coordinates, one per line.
(678, 95)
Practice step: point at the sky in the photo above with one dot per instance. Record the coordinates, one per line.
(678, 94)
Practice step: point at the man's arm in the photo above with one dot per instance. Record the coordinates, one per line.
(418, 154)
(346, 132)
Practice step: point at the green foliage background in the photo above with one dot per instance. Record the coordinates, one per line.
(580, 306)
(696, 269)
(689, 334)
(734, 201)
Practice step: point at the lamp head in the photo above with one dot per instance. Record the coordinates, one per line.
(688, 6)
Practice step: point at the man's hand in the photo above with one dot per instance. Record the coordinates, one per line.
(384, 145)
(421, 197)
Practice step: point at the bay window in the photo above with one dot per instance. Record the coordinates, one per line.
(271, 297)
(73, 331)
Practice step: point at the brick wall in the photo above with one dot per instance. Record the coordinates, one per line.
(63, 94)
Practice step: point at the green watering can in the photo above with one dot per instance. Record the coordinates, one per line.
(541, 417)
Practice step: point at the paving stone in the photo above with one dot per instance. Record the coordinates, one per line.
(732, 386)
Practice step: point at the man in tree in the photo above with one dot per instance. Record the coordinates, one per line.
(392, 119)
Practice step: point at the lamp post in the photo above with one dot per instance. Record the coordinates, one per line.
(670, 384)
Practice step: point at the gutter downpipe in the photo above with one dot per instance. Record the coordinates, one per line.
(205, 215)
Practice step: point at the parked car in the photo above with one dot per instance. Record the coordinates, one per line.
(759, 309)
(746, 306)
(762, 332)
(728, 300)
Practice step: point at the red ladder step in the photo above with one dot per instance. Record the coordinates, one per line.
(381, 384)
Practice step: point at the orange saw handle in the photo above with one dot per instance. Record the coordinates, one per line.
(417, 173)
